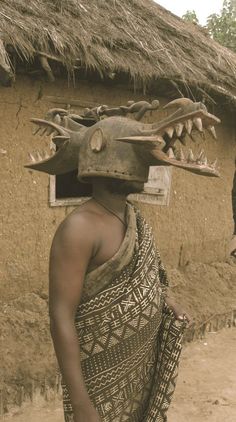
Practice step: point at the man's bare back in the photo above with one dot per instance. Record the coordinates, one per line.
(86, 239)
(91, 221)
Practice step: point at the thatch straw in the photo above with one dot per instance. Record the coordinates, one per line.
(137, 37)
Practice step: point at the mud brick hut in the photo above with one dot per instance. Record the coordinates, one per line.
(82, 54)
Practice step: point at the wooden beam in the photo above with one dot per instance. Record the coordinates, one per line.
(45, 65)
(72, 101)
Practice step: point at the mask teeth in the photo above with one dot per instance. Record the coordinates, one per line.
(181, 155)
(57, 119)
(204, 161)
(198, 123)
(179, 129)
(212, 131)
(214, 164)
(191, 157)
(170, 153)
(38, 156)
(160, 139)
(36, 130)
(32, 158)
(44, 154)
(170, 131)
(188, 126)
(48, 127)
(43, 131)
(200, 156)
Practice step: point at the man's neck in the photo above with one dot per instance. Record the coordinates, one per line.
(113, 201)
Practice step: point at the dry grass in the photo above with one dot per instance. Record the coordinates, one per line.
(137, 37)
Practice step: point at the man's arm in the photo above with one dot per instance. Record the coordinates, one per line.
(179, 313)
(71, 251)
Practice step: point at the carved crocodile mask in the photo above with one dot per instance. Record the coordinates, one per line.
(119, 146)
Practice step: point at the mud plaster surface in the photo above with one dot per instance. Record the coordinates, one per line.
(205, 390)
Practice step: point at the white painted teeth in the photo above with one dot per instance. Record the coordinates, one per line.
(201, 159)
(200, 156)
(170, 131)
(36, 130)
(214, 164)
(45, 155)
(180, 155)
(170, 153)
(40, 130)
(32, 158)
(212, 131)
(191, 156)
(44, 131)
(188, 126)
(198, 123)
(179, 129)
(38, 156)
(160, 138)
(57, 119)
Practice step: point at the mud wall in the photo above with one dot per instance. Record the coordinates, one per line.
(195, 227)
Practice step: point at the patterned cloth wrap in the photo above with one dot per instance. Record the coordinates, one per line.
(129, 340)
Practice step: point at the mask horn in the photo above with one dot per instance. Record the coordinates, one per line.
(61, 130)
(179, 102)
(150, 141)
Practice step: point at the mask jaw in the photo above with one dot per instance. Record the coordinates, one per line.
(152, 150)
(158, 142)
(186, 116)
(198, 166)
(61, 162)
(65, 159)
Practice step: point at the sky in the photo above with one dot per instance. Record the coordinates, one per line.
(203, 8)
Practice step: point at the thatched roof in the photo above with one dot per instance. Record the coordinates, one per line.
(136, 37)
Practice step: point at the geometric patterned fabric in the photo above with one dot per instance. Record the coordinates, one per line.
(129, 340)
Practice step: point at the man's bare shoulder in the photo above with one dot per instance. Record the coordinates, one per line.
(81, 225)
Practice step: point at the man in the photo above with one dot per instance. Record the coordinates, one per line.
(108, 287)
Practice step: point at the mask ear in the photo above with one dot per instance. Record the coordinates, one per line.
(97, 141)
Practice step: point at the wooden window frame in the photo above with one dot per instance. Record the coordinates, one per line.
(160, 197)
